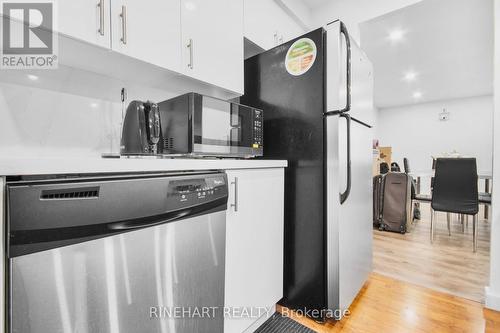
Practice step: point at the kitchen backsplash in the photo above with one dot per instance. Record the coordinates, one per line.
(66, 121)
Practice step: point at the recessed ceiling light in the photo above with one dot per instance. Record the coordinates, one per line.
(396, 35)
(410, 76)
(94, 105)
(417, 94)
(32, 77)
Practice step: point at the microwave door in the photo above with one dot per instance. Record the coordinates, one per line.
(235, 126)
(235, 136)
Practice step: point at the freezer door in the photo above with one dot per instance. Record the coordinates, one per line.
(127, 283)
(361, 68)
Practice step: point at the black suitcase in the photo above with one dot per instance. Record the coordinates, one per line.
(396, 206)
(378, 186)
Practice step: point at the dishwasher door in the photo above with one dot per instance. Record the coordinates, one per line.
(165, 278)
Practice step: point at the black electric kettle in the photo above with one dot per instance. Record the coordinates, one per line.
(141, 129)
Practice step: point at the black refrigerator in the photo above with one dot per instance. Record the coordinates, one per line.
(317, 95)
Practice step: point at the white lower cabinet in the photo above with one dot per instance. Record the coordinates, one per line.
(254, 245)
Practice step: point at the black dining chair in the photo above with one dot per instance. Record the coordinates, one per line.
(455, 191)
(406, 165)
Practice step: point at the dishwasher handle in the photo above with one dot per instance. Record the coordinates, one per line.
(131, 225)
(22, 242)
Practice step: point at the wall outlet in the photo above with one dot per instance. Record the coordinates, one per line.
(444, 116)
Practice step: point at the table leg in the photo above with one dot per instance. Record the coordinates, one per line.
(487, 190)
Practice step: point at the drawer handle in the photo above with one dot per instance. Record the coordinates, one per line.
(123, 16)
(101, 17)
(190, 46)
(235, 204)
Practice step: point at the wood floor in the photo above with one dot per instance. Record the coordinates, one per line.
(448, 265)
(392, 306)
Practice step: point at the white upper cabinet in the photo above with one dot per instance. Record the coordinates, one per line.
(86, 20)
(193, 45)
(148, 30)
(268, 25)
(212, 42)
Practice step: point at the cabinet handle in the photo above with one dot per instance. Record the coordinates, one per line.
(235, 204)
(276, 38)
(100, 4)
(123, 16)
(190, 46)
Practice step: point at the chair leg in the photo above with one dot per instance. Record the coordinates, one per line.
(433, 216)
(448, 221)
(474, 232)
(462, 220)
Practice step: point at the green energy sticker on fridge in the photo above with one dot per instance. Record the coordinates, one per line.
(300, 56)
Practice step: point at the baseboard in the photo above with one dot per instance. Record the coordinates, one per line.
(492, 300)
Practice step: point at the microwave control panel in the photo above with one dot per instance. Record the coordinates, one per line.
(258, 128)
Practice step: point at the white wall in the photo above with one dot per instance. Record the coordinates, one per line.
(416, 132)
(353, 12)
(64, 121)
(493, 291)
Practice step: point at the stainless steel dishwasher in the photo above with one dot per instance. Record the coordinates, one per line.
(127, 254)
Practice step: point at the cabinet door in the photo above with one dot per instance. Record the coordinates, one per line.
(86, 20)
(212, 38)
(258, 27)
(268, 25)
(288, 29)
(254, 242)
(148, 30)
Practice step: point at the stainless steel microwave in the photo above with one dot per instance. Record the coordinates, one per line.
(198, 125)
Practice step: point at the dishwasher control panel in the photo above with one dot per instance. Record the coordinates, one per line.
(92, 207)
(191, 191)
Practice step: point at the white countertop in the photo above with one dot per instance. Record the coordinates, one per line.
(46, 166)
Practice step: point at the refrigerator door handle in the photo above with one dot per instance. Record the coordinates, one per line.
(344, 195)
(347, 108)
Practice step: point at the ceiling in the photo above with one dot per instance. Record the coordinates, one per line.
(315, 3)
(446, 44)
